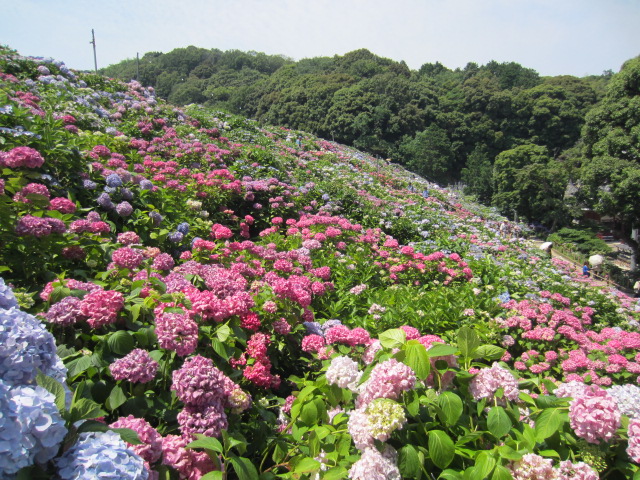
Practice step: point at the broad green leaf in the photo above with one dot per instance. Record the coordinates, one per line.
(78, 366)
(501, 473)
(441, 448)
(116, 398)
(215, 475)
(335, 473)
(209, 443)
(306, 465)
(309, 413)
(484, 465)
(54, 387)
(498, 422)
(120, 342)
(393, 338)
(441, 350)
(128, 435)
(244, 468)
(409, 462)
(85, 409)
(450, 475)
(223, 332)
(489, 352)
(451, 407)
(417, 358)
(468, 341)
(548, 422)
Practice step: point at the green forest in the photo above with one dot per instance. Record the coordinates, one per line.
(539, 148)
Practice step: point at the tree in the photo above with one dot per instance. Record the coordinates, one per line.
(430, 154)
(477, 175)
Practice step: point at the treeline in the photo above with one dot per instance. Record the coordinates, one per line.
(515, 139)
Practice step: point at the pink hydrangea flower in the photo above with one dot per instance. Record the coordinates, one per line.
(23, 157)
(576, 471)
(374, 465)
(633, 449)
(177, 332)
(533, 467)
(136, 367)
(387, 380)
(101, 307)
(127, 257)
(199, 383)
(62, 204)
(151, 447)
(594, 415)
(209, 420)
(488, 380)
(164, 261)
(344, 373)
(190, 464)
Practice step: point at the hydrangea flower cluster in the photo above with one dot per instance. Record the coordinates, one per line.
(190, 464)
(488, 380)
(101, 455)
(384, 416)
(177, 332)
(67, 311)
(101, 307)
(135, 367)
(31, 427)
(387, 380)
(533, 467)
(151, 447)
(594, 415)
(633, 449)
(22, 157)
(628, 399)
(127, 257)
(374, 465)
(344, 373)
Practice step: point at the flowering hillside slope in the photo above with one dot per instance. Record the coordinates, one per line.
(186, 295)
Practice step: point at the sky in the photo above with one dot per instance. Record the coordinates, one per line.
(554, 37)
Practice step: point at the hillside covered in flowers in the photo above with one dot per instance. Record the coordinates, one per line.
(186, 295)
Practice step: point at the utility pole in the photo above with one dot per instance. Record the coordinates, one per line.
(137, 66)
(93, 42)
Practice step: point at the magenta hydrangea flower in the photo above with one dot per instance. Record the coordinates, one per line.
(151, 447)
(594, 415)
(23, 157)
(101, 307)
(190, 464)
(488, 380)
(199, 383)
(177, 332)
(38, 227)
(136, 367)
(67, 311)
(127, 257)
(209, 420)
(62, 204)
(164, 261)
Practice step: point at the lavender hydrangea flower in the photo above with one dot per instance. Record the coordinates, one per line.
(114, 180)
(104, 200)
(175, 237)
(156, 218)
(628, 399)
(146, 185)
(124, 209)
(26, 347)
(7, 298)
(30, 426)
(101, 455)
(89, 184)
(183, 228)
(126, 194)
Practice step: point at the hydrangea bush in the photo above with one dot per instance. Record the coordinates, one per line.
(185, 295)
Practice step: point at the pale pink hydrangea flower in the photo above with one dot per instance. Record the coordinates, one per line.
(488, 380)
(633, 449)
(374, 465)
(533, 467)
(387, 380)
(576, 471)
(594, 415)
(358, 426)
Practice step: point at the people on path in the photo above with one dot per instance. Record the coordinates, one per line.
(636, 288)
(586, 270)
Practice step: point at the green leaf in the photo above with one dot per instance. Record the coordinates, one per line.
(55, 387)
(393, 338)
(489, 352)
(335, 473)
(215, 475)
(220, 348)
(417, 358)
(209, 443)
(120, 342)
(409, 462)
(451, 407)
(309, 413)
(548, 422)
(223, 332)
(128, 435)
(306, 465)
(85, 409)
(468, 341)
(450, 475)
(498, 422)
(244, 468)
(78, 366)
(484, 465)
(441, 448)
(441, 350)
(116, 398)
(501, 473)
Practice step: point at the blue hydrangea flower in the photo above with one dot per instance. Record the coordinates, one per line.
(183, 228)
(504, 297)
(7, 298)
(628, 399)
(114, 180)
(146, 184)
(31, 427)
(175, 237)
(330, 323)
(101, 455)
(104, 200)
(156, 217)
(26, 347)
(313, 328)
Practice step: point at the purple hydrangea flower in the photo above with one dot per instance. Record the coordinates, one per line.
(114, 180)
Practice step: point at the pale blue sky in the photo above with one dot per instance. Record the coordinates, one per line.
(554, 37)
